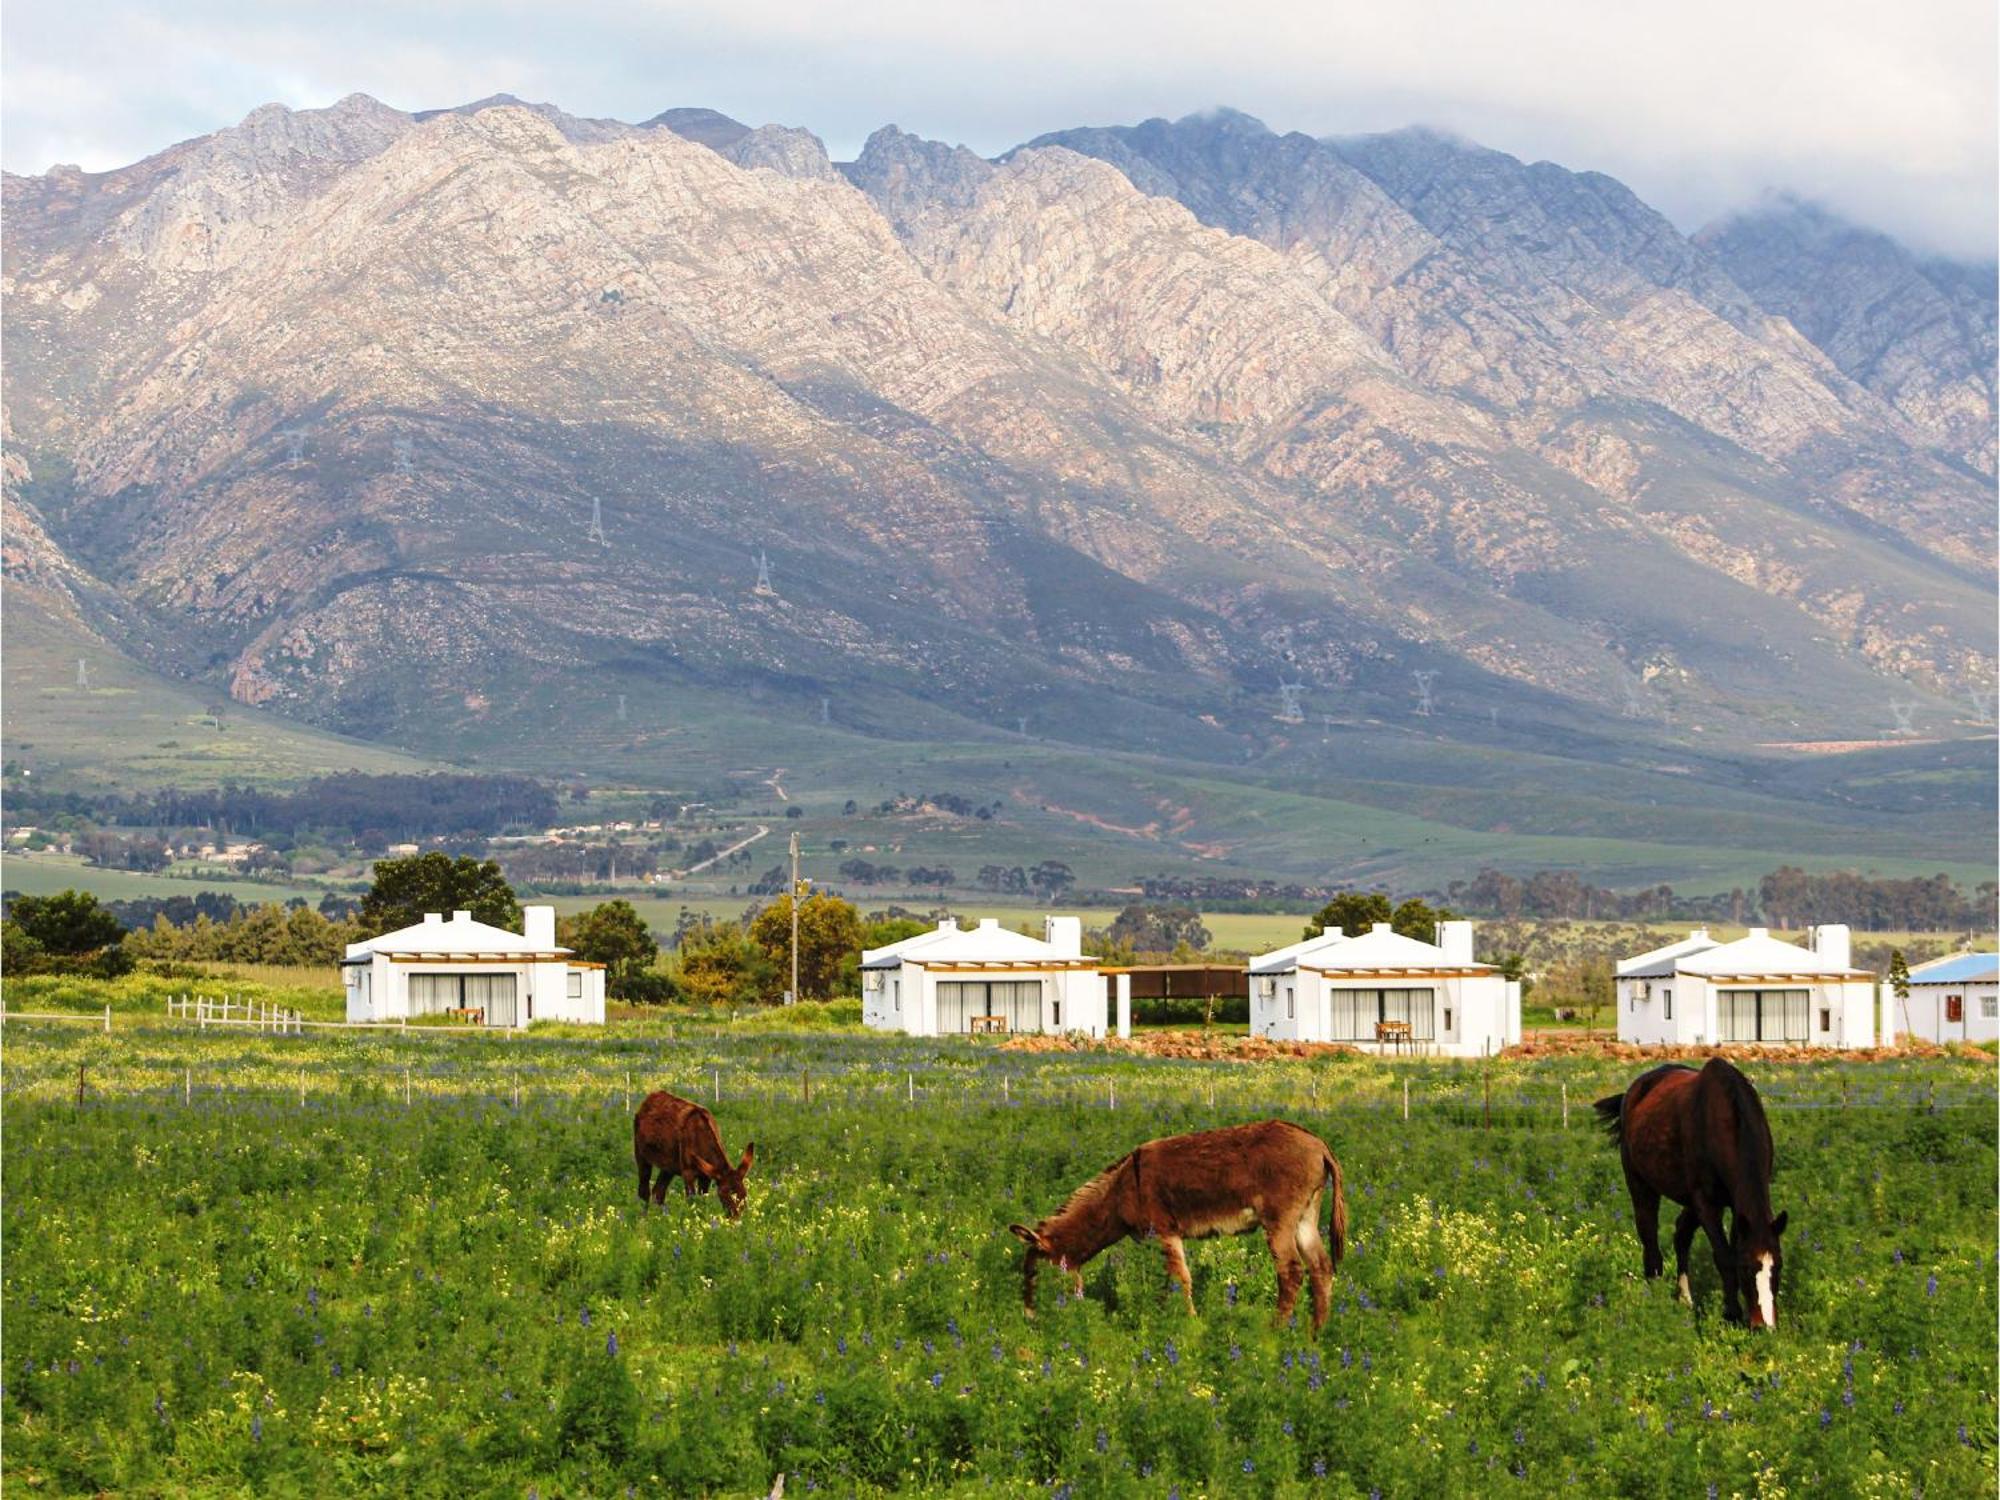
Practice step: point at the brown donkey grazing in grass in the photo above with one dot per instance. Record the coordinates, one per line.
(1701, 1139)
(678, 1138)
(1265, 1176)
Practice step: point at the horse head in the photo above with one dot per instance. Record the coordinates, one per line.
(1760, 1265)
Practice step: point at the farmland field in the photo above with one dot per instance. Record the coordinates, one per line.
(407, 1265)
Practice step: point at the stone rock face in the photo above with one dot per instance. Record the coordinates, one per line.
(1917, 333)
(381, 418)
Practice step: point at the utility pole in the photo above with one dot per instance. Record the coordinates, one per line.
(792, 995)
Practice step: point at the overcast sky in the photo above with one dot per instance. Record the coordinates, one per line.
(1886, 111)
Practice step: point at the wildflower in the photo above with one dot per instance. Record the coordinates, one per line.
(937, 1380)
(1930, 1286)
(1319, 1468)
(586, 1317)
(257, 1429)
(1250, 1465)
(1825, 1419)
(1288, 1429)
(1103, 1440)
(611, 1344)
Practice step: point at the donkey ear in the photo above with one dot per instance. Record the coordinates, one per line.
(1023, 1232)
(749, 1156)
(1778, 1224)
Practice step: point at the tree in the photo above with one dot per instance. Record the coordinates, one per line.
(1899, 982)
(69, 922)
(1051, 878)
(829, 936)
(1351, 911)
(1158, 929)
(719, 965)
(612, 934)
(405, 889)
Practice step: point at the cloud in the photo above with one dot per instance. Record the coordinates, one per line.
(1885, 112)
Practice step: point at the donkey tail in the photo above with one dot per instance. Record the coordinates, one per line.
(1611, 1115)
(1336, 1236)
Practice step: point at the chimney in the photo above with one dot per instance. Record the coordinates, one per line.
(433, 919)
(1455, 938)
(1064, 934)
(1831, 942)
(1331, 932)
(538, 926)
(1382, 927)
(461, 916)
(989, 924)
(1760, 932)
(1700, 934)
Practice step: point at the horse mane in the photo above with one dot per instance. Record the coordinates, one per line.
(1753, 1132)
(1611, 1110)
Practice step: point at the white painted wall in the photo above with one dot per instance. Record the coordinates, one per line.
(1928, 1012)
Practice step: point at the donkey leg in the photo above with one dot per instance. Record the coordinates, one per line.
(645, 1177)
(660, 1187)
(1684, 1228)
(1725, 1263)
(1177, 1268)
(1319, 1265)
(1291, 1268)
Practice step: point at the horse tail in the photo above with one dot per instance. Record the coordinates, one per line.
(1611, 1115)
(1336, 1234)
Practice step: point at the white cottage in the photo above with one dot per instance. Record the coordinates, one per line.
(1758, 989)
(488, 974)
(1953, 999)
(953, 981)
(1381, 990)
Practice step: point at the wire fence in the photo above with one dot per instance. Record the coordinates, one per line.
(233, 1062)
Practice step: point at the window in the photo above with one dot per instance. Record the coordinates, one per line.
(1667, 1003)
(1761, 1015)
(1055, 1014)
(1447, 1018)
(575, 990)
(1355, 1013)
(1989, 1007)
(1019, 1002)
(1825, 1019)
(1954, 1007)
(1291, 1003)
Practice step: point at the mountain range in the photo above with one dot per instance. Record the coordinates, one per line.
(1358, 469)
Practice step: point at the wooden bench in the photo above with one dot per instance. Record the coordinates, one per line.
(1394, 1034)
(982, 1024)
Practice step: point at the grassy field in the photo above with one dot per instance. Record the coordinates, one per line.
(414, 1265)
(128, 727)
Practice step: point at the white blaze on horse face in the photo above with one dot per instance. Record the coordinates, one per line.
(1767, 1307)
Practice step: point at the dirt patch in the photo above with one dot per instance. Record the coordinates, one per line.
(1555, 1044)
(1209, 1046)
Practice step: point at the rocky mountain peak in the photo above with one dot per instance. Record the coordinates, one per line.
(911, 179)
(707, 127)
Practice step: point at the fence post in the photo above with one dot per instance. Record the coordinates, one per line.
(1406, 1099)
(406, 1085)
(806, 1083)
(628, 1093)
(911, 1078)
(302, 1088)
(1486, 1083)
(718, 1085)
(1004, 1096)
(107, 1019)
(1565, 1105)
(79, 1085)
(187, 1088)
(1114, 1093)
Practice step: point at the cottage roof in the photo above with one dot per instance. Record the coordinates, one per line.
(1960, 968)
(988, 943)
(1759, 953)
(1658, 963)
(457, 936)
(1378, 950)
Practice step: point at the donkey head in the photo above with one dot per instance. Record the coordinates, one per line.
(1041, 1248)
(729, 1181)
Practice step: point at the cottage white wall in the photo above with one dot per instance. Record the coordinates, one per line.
(1927, 1012)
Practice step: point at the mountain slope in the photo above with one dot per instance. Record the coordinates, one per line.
(434, 428)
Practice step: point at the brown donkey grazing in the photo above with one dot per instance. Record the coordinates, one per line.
(1701, 1139)
(1265, 1176)
(678, 1138)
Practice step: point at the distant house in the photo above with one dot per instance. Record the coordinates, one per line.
(1954, 999)
(488, 974)
(1758, 989)
(954, 981)
(1380, 990)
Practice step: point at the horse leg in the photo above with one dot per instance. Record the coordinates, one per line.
(1291, 1268)
(1646, 1219)
(1684, 1228)
(1725, 1263)
(1177, 1268)
(645, 1179)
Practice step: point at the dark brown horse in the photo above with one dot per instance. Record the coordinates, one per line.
(1267, 1176)
(1701, 1139)
(677, 1137)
